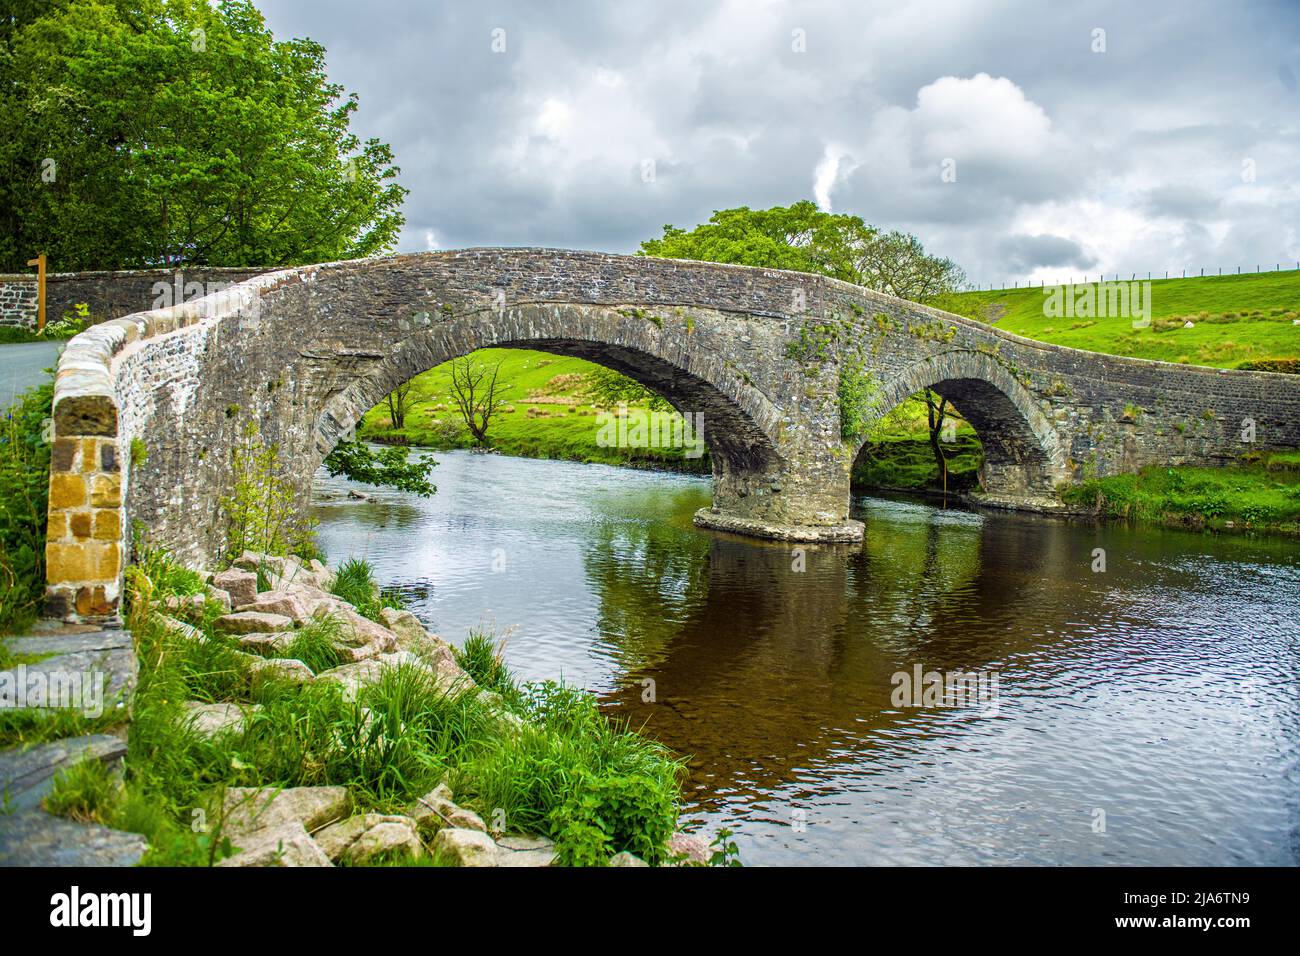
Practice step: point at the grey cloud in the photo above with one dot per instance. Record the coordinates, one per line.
(1023, 253)
(1141, 157)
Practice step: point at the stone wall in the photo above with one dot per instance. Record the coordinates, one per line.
(110, 295)
(18, 304)
(305, 352)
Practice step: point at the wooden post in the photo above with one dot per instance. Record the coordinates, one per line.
(39, 263)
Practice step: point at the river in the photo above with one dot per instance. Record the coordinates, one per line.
(1147, 713)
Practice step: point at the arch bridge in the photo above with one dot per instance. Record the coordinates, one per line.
(148, 407)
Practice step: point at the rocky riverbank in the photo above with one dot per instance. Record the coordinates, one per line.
(299, 725)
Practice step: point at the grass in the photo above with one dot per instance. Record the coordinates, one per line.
(1260, 495)
(355, 583)
(24, 494)
(557, 767)
(548, 416)
(1238, 320)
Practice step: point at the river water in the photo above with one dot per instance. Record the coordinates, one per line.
(1147, 713)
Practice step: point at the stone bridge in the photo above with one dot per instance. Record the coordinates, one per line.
(148, 407)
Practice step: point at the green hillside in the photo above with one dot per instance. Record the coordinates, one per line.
(1236, 320)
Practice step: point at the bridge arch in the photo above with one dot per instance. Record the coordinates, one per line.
(737, 418)
(1024, 455)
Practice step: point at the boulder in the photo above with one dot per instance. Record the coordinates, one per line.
(690, 848)
(208, 720)
(189, 606)
(281, 668)
(355, 676)
(282, 570)
(239, 584)
(257, 808)
(218, 597)
(360, 633)
(361, 839)
(284, 603)
(436, 810)
(179, 628)
(252, 622)
(265, 643)
(626, 859)
(475, 848)
(287, 844)
(466, 847)
(405, 625)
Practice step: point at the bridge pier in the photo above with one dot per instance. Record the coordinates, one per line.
(808, 501)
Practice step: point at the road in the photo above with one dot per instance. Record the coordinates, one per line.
(22, 366)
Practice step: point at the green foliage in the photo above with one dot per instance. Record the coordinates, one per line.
(87, 791)
(264, 169)
(355, 583)
(608, 389)
(607, 815)
(389, 466)
(316, 644)
(1263, 494)
(859, 393)
(1238, 321)
(24, 496)
(575, 776)
(260, 512)
(483, 658)
(802, 238)
(567, 771)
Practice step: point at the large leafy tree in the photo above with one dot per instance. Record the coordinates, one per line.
(803, 238)
(167, 132)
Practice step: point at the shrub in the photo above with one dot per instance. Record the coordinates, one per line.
(24, 495)
(260, 512)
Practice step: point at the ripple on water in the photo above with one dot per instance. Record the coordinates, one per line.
(1158, 696)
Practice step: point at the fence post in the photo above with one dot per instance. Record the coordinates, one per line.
(39, 263)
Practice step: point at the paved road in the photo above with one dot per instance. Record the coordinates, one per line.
(22, 366)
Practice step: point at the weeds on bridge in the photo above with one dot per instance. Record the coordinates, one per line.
(261, 510)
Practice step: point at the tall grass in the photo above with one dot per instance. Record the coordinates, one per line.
(566, 771)
(24, 495)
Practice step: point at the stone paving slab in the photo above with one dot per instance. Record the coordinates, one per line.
(33, 838)
(26, 775)
(76, 650)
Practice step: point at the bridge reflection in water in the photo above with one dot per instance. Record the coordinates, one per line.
(1154, 698)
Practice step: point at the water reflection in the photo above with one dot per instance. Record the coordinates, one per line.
(1157, 697)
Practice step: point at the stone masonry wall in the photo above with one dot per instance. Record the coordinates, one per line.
(148, 407)
(110, 295)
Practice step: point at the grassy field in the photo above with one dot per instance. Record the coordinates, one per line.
(547, 416)
(1236, 320)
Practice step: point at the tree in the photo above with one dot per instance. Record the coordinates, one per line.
(389, 467)
(803, 238)
(166, 132)
(935, 409)
(396, 400)
(475, 390)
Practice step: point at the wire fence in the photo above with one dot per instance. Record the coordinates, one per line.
(1134, 277)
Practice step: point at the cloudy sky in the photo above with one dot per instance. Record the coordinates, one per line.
(1022, 139)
